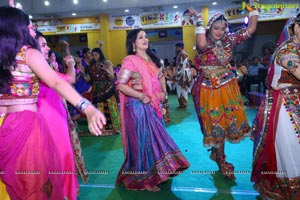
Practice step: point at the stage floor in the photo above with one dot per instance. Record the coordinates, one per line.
(104, 156)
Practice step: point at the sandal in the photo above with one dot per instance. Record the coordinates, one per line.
(226, 168)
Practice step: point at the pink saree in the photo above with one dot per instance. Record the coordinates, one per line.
(29, 159)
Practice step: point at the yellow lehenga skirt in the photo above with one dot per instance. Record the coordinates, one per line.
(111, 111)
(222, 113)
(3, 193)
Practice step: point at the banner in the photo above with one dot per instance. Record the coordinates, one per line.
(68, 28)
(276, 11)
(146, 20)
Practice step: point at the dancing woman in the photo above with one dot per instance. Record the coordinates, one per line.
(216, 93)
(151, 156)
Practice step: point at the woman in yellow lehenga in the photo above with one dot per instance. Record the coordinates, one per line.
(216, 94)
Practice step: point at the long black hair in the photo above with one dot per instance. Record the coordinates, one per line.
(14, 34)
(101, 55)
(131, 38)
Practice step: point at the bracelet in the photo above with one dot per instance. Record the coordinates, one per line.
(200, 29)
(82, 104)
(199, 21)
(70, 59)
(253, 13)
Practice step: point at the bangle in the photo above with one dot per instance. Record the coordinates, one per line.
(253, 13)
(200, 29)
(70, 59)
(199, 21)
(248, 34)
(82, 104)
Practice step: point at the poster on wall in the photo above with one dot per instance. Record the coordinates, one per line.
(67, 28)
(267, 12)
(151, 20)
(124, 22)
(237, 14)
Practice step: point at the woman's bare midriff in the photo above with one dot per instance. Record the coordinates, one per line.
(215, 71)
(18, 108)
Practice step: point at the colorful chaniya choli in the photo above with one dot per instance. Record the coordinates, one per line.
(29, 157)
(217, 98)
(276, 128)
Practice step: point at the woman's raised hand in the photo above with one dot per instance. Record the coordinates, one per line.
(194, 12)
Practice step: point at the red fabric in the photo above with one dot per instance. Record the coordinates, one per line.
(271, 164)
(266, 161)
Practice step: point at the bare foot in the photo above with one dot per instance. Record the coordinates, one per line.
(154, 189)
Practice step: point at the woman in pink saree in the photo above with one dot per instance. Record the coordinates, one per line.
(30, 166)
(53, 109)
(151, 156)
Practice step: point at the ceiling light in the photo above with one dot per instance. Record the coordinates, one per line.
(104, 0)
(18, 5)
(46, 3)
(75, 1)
(30, 17)
(74, 14)
(214, 3)
(126, 10)
(175, 7)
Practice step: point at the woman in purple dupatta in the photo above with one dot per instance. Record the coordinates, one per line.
(151, 156)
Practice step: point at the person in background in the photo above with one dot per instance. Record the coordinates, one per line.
(102, 79)
(275, 130)
(82, 84)
(26, 143)
(151, 156)
(193, 75)
(116, 74)
(166, 62)
(183, 76)
(216, 94)
(266, 59)
(252, 75)
(165, 103)
(169, 75)
(241, 72)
